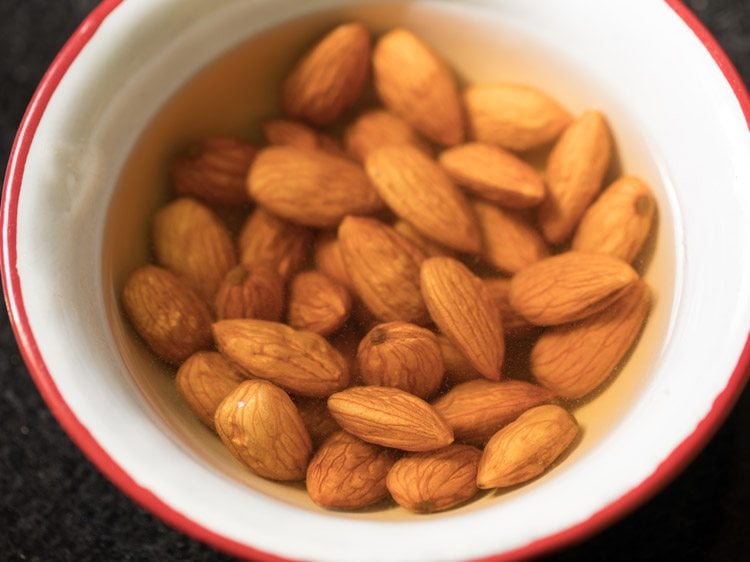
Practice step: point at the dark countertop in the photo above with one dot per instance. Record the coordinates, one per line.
(54, 505)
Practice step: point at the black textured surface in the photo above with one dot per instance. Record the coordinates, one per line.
(54, 505)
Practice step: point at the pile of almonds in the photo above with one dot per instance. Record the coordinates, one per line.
(353, 334)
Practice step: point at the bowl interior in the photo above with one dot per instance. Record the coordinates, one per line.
(234, 93)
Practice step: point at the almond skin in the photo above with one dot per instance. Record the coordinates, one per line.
(569, 287)
(510, 243)
(204, 380)
(464, 311)
(383, 268)
(419, 191)
(301, 362)
(514, 116)
(254, 291)
(166, 313)
(575, 170)
(317, 303)
(261, 427)
(329, 78)
(414, 82)
(287, 132)
(526, 447)
(328, 259)
(310, 187)
(265, 238)
(435, 481)
(575, 359)
(390, 417)
(477, 409)
(377, 128)
(348, 473)
(494, 174)
(619, 221)
(214, 171)
(318, 420)
(193, 243)
(401, 355)
(429, 247)
(514, 325)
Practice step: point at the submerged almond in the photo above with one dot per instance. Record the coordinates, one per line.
(302, 362)
(575, 170)
(254, 291)
(329, 78)
(192, 242)
(573, 360)
(317, 303)
(310, 187)
(514, 325)
(390, 417)
(261, 427)
(477, 409)
(569, 287)
(419, 191)
(401, 355)
(377, 128)
(513, 116)
(383, 268)
(415, 83)
(494, 174)
(436, 480)
(526, 447)
(348, 473)
(464, 311)
(619, 220)
(328, 259)
(214, 171)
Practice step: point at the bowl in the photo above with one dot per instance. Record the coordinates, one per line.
(139, 80)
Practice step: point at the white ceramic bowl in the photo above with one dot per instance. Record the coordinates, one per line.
(72, 228)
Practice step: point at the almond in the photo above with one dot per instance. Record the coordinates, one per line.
(166, 313)
(287, 132)
(317, 419)
(377, 128)
(347, 473)
(464, 311)
(569, 287)
(619, 220)
(494, 174)
(265, 238)
(329, 78)
(317, 303)
(401, 355)
(251, 291)
(204, 380)
(477, 409)
(457, 367)
(419, 191)
(414, 82)
(575, 170)
(214, 171)
(435, 481)
(261, 427)
(510, 242)
(328, 259)
(575, 359)
(514, 325)
(429, 248)
(310, 187)
(383, 268)
(513, 116)
(302, 362)
(331, 145)
(193, 243)
(526, 447)
(390, 417)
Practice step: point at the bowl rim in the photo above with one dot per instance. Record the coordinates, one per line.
(675, 462)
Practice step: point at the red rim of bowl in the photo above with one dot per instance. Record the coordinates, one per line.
(668, 470)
